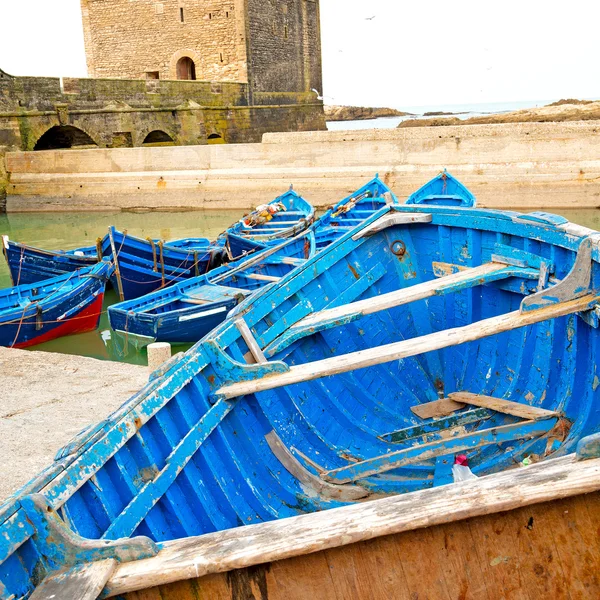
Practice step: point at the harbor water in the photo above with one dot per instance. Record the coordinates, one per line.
(71, 230)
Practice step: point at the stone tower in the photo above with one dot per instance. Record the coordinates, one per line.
(273, 45)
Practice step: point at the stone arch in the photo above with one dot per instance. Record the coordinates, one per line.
(182, 54)
(157, 137)
(215, 138)
(64, 136)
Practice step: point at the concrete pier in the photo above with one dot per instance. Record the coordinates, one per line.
(46, 399)
(524, 165)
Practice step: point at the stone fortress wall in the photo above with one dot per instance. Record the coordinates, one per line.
(135, 39)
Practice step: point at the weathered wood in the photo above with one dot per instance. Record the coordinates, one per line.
(84, 582)
(406, 348)
(255, 349)
(504, 406)
(391, 219)
(312, 484)
(265, 542)
(115, 259)
(444, 426)
(190, 300)
(402, 296)
(437, 408)
(421, 452)
(260, 277)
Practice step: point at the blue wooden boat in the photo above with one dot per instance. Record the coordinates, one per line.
(187, 311)
(424, 333)
(352, 211)
(37, 312)
(284, 217)
(28, 264)
(142, 266)
(443, 190)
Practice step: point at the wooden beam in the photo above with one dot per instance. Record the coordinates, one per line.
(251, 545)
(437, 408)
(84, 582)
(402, 296)
(406, 348)
(422, 452)
(390, 220)
(437, 427)
(250, 340)
(504, 406)
(260, 277)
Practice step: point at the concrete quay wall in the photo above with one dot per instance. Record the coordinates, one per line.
(524, 165)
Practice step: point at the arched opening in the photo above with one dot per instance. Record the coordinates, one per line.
(64, 136)
(186, 69)
(158, 138)
(215, 138)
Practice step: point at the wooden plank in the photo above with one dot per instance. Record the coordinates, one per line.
(390, 220)
(260, 277)
(504, 406)
(84, 582)
(192, 301)
(406, 348)
(255, 349)
(422, 452)
(440, 427)
(402, 296)
(437, 408)
(223, 551)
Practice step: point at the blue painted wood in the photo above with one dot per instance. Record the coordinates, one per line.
(443, 470)
(169, 463)
(443, 190)
(187, 311)
(418, 452)
(288, 215)
(435, 425)
(27, 264)
(148, 265)
(589, 447)
(37, 312)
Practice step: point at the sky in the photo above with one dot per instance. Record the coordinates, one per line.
(384, 52)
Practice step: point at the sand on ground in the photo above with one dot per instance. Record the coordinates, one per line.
(46, 399)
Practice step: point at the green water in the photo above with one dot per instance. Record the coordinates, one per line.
(71, 230)
(66, 231)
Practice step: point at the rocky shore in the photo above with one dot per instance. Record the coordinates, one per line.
(563, 110)
(360, 113)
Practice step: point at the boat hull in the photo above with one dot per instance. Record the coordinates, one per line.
(552, 546)
(143, 266)
(30, 265)
(187, 311)
(65, 305)
(359, 376)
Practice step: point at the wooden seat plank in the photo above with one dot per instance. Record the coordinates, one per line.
(406, 348)
(259, 277)
(504, 406)
(437, 408)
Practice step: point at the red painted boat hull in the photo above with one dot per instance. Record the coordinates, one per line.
(85, 320)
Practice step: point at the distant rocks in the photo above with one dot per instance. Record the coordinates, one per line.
(563, 110)
(441, 113)
(360, 113)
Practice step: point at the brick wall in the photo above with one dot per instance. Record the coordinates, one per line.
(130, 39)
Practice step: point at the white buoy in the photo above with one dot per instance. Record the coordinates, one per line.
(158, 353)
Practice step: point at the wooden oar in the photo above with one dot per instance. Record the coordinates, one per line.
(406, 348)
